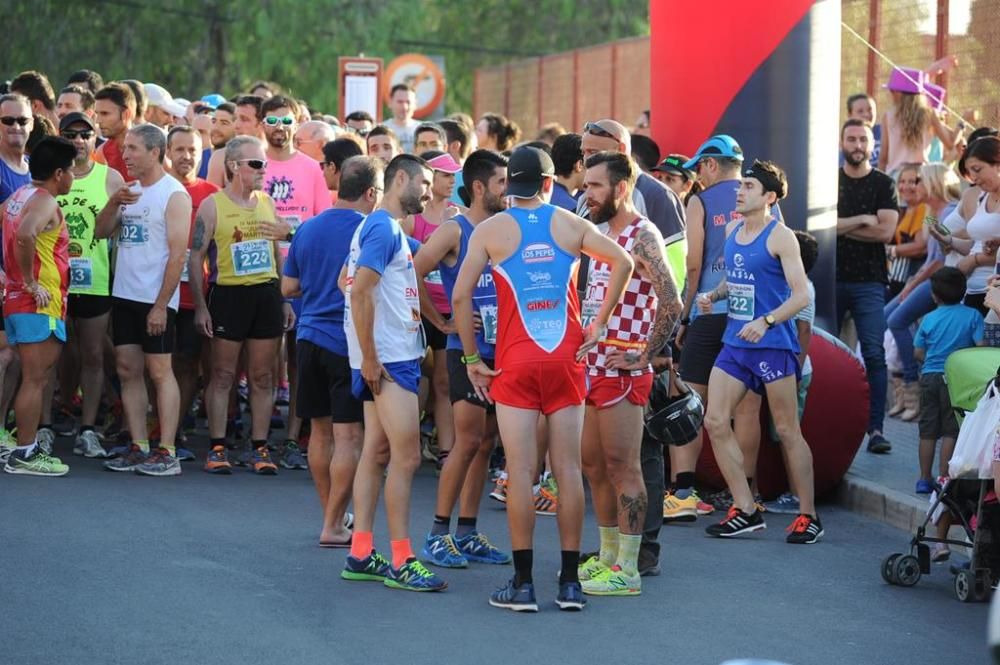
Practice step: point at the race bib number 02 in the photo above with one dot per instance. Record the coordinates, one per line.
(741, 299)
(251, 257)
(132, 233)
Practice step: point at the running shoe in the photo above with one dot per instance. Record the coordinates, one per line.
(924, 486)
(414, 576)
(129, 461)
(45, 438)
(519, 599)
(590, 567)
(499, 492)
(373, 568)
(737, 523)
(613, 582)
(805, 530)
(720, 500)
(185, 454)
(240, 455)
(703, 507)
(549, 483)
(878, 444)
(786, 504)
(442, 551)
(649, 563)
(940, 553)
(63, 423)
(545, 503)
(218, 462)
(7, 445)
(283, 395)
(89, 445)
(38, 463)
(292, 457)
(261, 464)
(159, 463)
(570, 598)
(477, 548)
(679, 510)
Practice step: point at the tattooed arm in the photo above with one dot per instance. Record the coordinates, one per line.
(201, 238)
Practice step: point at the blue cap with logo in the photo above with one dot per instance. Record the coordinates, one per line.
(214, 100)
(720, 145)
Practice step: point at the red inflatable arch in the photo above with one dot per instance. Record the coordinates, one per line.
(834, 423)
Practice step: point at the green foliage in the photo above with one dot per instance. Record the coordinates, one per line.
(193, 47)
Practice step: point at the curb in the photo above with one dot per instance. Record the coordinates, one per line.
(881, 503)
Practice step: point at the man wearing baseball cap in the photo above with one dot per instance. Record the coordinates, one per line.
(161, 109)
(671, 172)
(535, 248)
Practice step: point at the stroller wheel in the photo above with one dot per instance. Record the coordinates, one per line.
(964, 586)
(889, 568)
(907, 570)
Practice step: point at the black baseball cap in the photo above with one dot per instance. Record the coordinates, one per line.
(675, 164)
(71, 119)
(526, 170)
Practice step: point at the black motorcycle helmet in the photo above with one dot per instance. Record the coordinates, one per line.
(673, 420)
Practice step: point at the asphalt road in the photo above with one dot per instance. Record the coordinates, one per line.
(115, 568)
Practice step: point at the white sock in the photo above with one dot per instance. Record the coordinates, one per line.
(28, 449)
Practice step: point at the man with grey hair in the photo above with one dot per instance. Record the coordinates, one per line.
(152, 215)
(312, 136)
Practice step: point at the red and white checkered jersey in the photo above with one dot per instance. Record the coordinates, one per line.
(632, 319)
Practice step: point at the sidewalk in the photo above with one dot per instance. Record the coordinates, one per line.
(881, 486)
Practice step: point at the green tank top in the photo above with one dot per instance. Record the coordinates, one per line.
(89, 262)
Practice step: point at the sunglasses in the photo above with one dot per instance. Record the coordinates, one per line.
(85, 134)
(255, 164)
(597, 130)
(204, 110)
(274, 121)
(10, 120)
(360, 132)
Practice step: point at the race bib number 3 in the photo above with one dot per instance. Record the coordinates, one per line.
(81, 273)
(741, 299)
(251, 257)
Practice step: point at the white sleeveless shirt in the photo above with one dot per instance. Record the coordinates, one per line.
(142, 244)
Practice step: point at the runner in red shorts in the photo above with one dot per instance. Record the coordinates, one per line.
(534, 248)
(620, 373)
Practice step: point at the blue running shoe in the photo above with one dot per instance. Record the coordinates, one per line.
(442, 551)
(786, 504)
(924, 487)
(570, 598)
(519, 599)
(414, 576)
(185, 455)
(477, 547)
(373, 568)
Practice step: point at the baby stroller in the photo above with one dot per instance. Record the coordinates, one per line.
(964, 497)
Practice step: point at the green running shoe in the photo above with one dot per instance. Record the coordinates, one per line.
(373, 568)
(590, 568)
(38, 463)
(414, 576)
(613, 582)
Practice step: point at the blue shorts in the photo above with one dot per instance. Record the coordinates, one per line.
(33, 328)
(758, 367)
(405, 372)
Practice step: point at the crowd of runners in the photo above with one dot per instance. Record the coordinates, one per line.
(440, 291)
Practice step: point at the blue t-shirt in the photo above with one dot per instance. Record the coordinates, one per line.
(11, 181)
(562, 198)
(206, 156)
(948, 328)
(316, 255)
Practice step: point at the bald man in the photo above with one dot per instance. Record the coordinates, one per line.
(312, 136)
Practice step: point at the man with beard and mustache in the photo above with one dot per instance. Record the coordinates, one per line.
(867, 212)
(385, 343)
(246, 308)
(465, 468)
(621, 373)
(246, 120)
(223, 129)
(184, 151)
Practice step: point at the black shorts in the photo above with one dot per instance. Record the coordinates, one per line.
(128, 326)
(702, 346)
(246, 312)
(83, 306)
(937, 418)
(324, 385)
(459, 387)
(436, 339)
(188, 340)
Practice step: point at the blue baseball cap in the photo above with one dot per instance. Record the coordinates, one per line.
(214, 100)
(720, 145)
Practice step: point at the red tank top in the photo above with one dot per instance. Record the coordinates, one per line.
(51, 263)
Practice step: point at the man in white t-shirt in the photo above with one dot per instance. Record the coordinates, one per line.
(403, 102)
(152, 216)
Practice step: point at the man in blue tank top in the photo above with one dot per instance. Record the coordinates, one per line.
(485, 178)
(765, 286)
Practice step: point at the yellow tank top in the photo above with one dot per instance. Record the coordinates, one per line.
(242, 256)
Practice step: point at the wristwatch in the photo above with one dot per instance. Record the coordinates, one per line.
(770, 320)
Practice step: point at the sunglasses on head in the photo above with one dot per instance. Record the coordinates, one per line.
(597, 130)
(85, 134)
(274, 121)
(255, 164)
(10, 120)
(203, 109)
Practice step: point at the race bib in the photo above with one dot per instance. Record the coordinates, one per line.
(434, 277)
(133, 233)
(81, 273)
(488, 313)
(741, 299)
(251, 257)
(185, 272)
(588, 312)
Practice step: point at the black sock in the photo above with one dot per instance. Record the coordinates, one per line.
(522, 566)
(86, 428)
(685, 480)
(221, 441)
(466, 525)
(258, 443)
(441, 526)
(570, 561)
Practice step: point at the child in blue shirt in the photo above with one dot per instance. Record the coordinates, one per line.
(950, 327)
